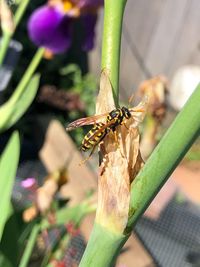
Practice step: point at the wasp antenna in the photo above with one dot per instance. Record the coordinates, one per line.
(137, 110)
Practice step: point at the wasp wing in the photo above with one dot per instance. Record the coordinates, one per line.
(85, 121)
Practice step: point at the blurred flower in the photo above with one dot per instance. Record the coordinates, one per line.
(43, 196)
(51, 25)
(28, 183)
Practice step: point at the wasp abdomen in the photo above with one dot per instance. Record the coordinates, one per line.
(94, 136)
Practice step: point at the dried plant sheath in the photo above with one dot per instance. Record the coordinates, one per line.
(156, 89)
(7, 22)
(121, 162)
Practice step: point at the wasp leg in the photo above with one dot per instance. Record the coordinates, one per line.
(117, 142)
(116, 138)
(126, 126)
(86, 159)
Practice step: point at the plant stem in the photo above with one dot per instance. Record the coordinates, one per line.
(104, 247)
(28, 74)
(30, 245)
(113, 17)
(20, 11)
(7, 35)
(166, 156)
(4, 45)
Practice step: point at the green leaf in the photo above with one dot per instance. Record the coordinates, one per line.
(8, 166)
(9, 247)
(30, 245)
(16, 106)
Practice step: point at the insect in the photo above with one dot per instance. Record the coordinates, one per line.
(94, 136)
(99, 130)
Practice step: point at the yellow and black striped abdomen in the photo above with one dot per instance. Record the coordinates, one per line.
(94, 136)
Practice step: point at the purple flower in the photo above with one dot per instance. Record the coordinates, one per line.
(28, 183)
(51, 26)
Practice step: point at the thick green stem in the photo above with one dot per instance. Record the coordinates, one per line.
(30, 245)
(104, 246)
(113, 17)
(166, 156)
(28, 74)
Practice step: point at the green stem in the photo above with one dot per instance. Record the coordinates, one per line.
(4, 45)
(28, 74)
(166, 156)
(113, 17)
(30, 245)
(8, 35)
(104, 246)
(20, 11)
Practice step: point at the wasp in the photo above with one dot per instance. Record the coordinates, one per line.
(99, 130)
(94, 136)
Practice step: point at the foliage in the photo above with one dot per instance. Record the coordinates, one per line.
(8, 165)
(17, 238)
(16, 106)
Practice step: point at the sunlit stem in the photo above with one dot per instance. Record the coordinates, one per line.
(20, 11)
(113, 17)
(104, 244)
(5, 40)
(7, 35)
(28, 74)
(166, 156)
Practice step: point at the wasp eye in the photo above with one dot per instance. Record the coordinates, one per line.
(126, 112)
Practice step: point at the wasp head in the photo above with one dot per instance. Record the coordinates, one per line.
(126, 112)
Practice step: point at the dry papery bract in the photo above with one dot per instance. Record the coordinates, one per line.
(156, 89)
(6, 17)
(121, 161)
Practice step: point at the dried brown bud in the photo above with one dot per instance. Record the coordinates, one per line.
(156, 89)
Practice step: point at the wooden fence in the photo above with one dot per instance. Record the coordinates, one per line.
(159, 36)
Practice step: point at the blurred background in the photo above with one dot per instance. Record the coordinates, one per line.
(161, 46)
